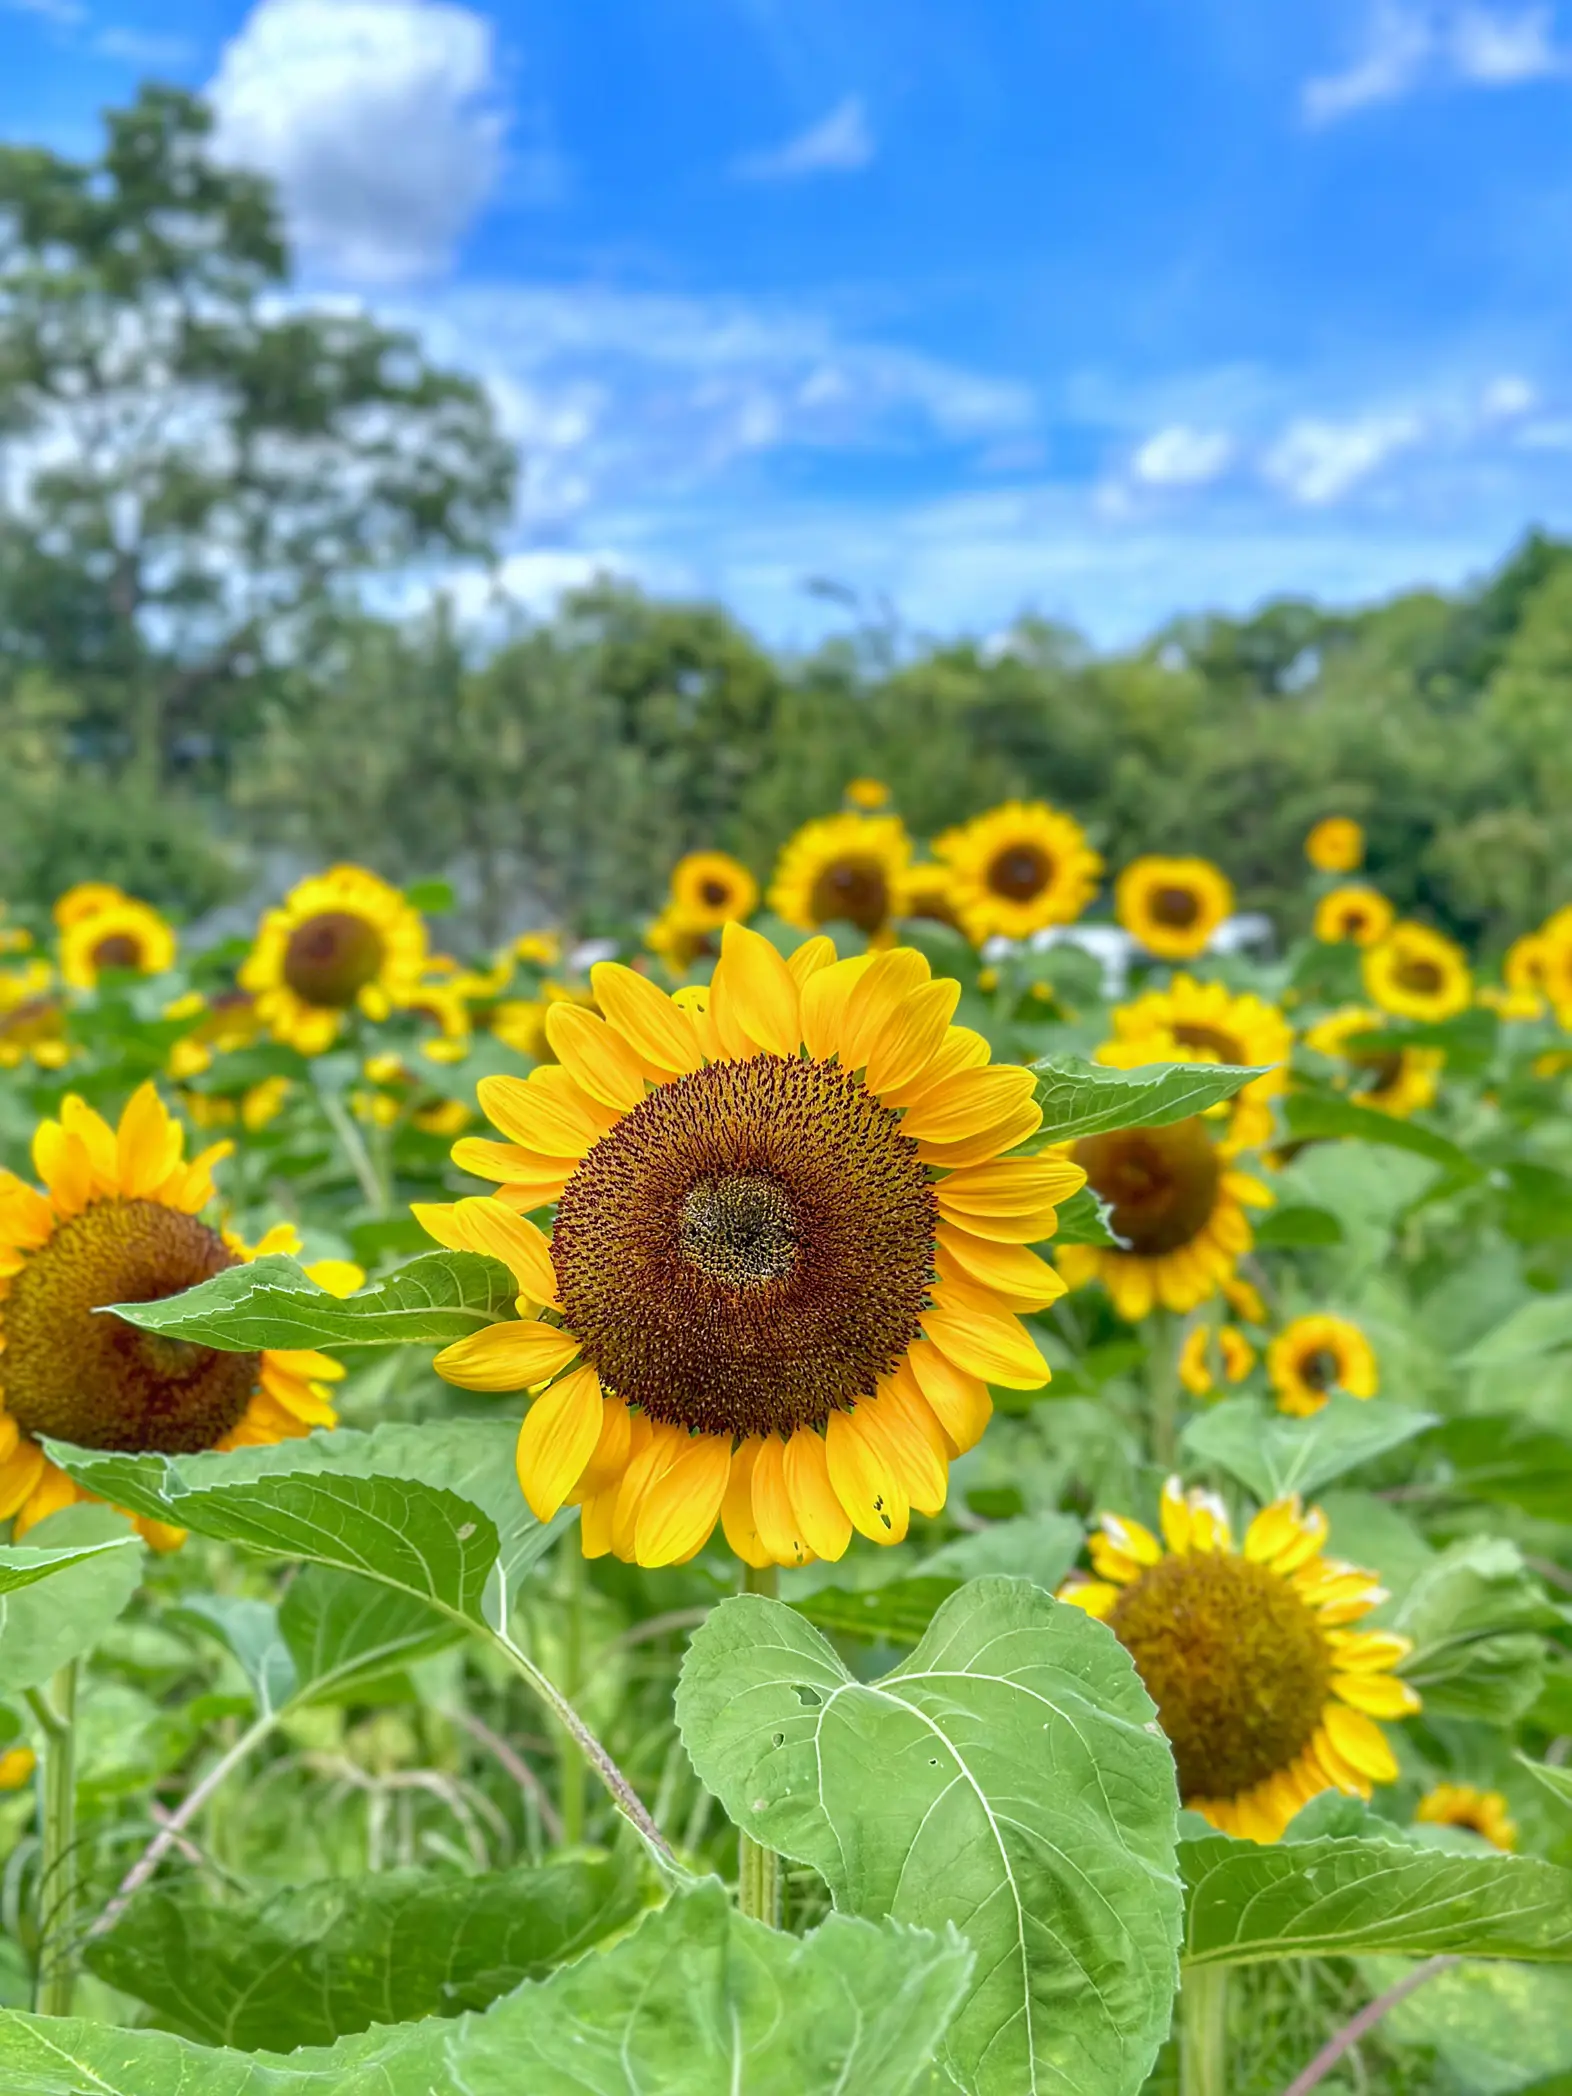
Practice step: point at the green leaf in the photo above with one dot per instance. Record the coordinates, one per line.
(434, 1300)
(60, 1594)
(1272, 1454)
(249, 1632)
(1085, 1219)
(431, 898)
(1009, 1774)
(1558, 1781)
(1470, 1037)
(1536, 1328)
(1495, 2026)
(1081, 1098)
(694, 2002)
(897, 1613)
(1506, 1458)
(1295, 1229)
(344, 1632)
(1038, 1547)
(1338, 1898)
(434, 1511)
(1475, 1616)
(1321, 1116)
(321, 1961)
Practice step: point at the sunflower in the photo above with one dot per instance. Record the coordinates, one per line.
(440, 1000)
(341, 939)
(1193, 1021)
(927, 895)
(1196, 1370)
(16, 1767)
(842, 869)
(1314, 1356)
(116, 1222)
(788, 1257)
(32, 1018)
(1523, 979)
(868, 796)
(224, 1023)
(1266, 1695)
(710, 888)
(1397, 1081)
(1335, 845)
(125, 937)
(1173, 906)
(1417, 973)
(86, 899)
(680, 940)
(1352, 916)
(1017, 868)
(1463, 1805)
(1178, 1204)
(1555, 963)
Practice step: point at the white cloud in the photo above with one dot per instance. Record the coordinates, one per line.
(1410, 43)
(1182, 457)
(1315, 462)
(839, 143)
(1507, 396)
(378, 120)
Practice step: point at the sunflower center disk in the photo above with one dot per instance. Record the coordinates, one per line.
(852, 891)
(1176, 906)
(331, 957)
(1422, 977)
(1207, 1040)
(1020, 873)
(714, 893)
(1235, 1663)
(119, 950)
(1321, 1369)
(1161, 1183)
(79, 1376)
(748, 1250)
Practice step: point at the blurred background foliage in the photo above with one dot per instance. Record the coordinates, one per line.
(201, 477)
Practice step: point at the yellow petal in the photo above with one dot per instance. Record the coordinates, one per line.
(812, 955)
(1368, 1651)
(64, 1166)
(969, 1103)
(993, 1141)
(995, 1348)
(773, 1513)
(822, 1521)
(1017, 1278)
(1378, 1695)
(612, 1452)
(911, 1037)
(53, 1492)
(737, 1521)
(660, 1035)
(1010, 1201)
(824, 998)
(340, 1277)
(875, 996)
(556, 1441)
(960, 1402)
(866, 1481)
(598, 1059)
(760, 990)
(900, 1421)
(1133, 1539)
(19, 1476)
(540, 1118)
(1094, 1595)
(149, 1144)
(484, 1225)
(654, 1447)
(507, 1357)
(961, 1049)
(1361, 1742)
(1174, 1516)
(679, 1511)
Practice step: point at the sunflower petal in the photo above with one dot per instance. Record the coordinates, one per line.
(507, 1357)
(557, 1440)
(737, 1522)
(773, 1512)
(866, 1480)
(960, 1402)
(822, 1521)
(679, 1511)
(1361, 1742)
(598, 1059)
(993, 1347)
(660, 1034)
(911, 1037)
(1378, 1695)
(760, 989)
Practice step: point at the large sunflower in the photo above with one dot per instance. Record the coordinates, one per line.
(1335, 845)
(1417, 973)
(1017, 868)
(1173, 906)
(116, 1222)
(1266, 1695)
(341, 939)
(842, 869)
(709, 888)
(1179, 1205)
(124, 936)
(1314, 1356)
(788, 1255)
(1194, 1021)
(1352, 916)
(1397, 1081)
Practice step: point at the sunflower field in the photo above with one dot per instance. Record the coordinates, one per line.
(949, 1471)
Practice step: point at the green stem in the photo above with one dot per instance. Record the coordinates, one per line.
(1162, 1376)
(352, 1143)
(572, 1769)
(1203, 2032)
(55, 1979)
(759, 1868)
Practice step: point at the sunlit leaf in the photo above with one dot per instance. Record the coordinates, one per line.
(1510, 1459)
(1321, 1116)
(1536, 1328)
(1272, 1453)
(1294, 1229)
(59, 1594)
(1008, 1777)
(1085, 1219)
(1475, 1616)
(1081, 1098)
(897, 1613)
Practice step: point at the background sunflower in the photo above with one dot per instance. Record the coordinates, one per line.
(340, 941)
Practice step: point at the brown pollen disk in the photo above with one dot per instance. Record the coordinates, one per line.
(331, 957)
(1020, 873)
(714, 893)
(119, 950)
(1423, 977)
(1320, 1369)
(81, 1376)
(1210, 1041)
(1235, 1662)
(1161, 1183)
(1178, 907)
(851, 891)
(749, 1249)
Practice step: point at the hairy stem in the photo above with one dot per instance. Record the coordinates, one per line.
(571, 1769)
(55, 1980)
(759, 1868)
(1162, 1373)
(1203, 2032)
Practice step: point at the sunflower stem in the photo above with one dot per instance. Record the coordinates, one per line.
(1203, 2032)
(55, 1978)
(1162, 1376)
(572, 1768)
(759, 1868)
(352, 1143)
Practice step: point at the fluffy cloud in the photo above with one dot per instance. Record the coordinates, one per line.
(1409, 43)
(1182, 457)
(1317, 462)
(839, 143)
(378, 120)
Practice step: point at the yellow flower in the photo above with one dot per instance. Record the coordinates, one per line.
(85, 900)
(843, 869)
(32, 1019)
(709, 889)
(1555, 964)
(1352, 916)
(926, 895)
(1018, 868)
(1314, 1356)
(1267, 1696)
(790, 1253)
(681, 940)
(1417, 973)
(1193, 1021)
(1195, 1358)
(339, 940)
(1463, 1805)
(1335, 845)
(440, 1000)
(539, 949)
(1398, 1081)
(123, 936)
(1173, 906)
(1179, 1205)
(868, 795)
(225, 1023)
(116, 1222)
(16, 1767)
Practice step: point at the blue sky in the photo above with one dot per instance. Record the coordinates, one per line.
(1098, 308)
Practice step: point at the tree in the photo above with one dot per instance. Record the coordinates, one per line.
(196, 469)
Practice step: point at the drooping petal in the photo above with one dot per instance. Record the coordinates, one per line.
(993, 1347)
(679, 1511)
(612, 1452)
(821, 1519)
(1361, 1743)
(557, 1440)
(507, 1357)
(961, 1402)
(866, 1480)
(773, 1513)
(737, 1517)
